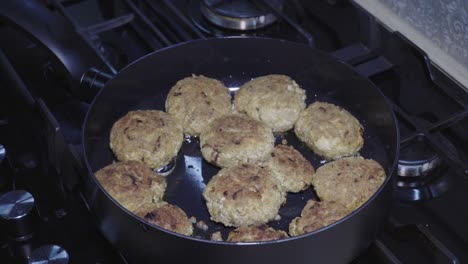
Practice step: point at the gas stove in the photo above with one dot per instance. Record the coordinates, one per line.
(55, 56)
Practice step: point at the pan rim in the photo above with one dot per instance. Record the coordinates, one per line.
(257, 243)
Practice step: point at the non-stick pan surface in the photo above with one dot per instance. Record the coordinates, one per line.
(145, 85)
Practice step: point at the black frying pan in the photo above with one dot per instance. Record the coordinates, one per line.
(145, 85)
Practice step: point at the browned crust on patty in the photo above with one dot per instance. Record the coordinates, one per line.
(150, 136)
(236, 139)
(292, 170)
(253, 234)
(132, 183)
(275, 99)
(167, 216)
(243, 195)
(316, 215)
(349, 181)
(196, 101)
(329, 130)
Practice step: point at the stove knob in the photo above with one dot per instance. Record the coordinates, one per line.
(49, 254)
(17, 214)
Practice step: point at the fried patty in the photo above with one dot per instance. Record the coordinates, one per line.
(244, 195)
(348, 181)
(132, 183)
(274, 99)
(316, 215)
(236, 139)
(196, 101)
(253, 234)
(329, 130)
(150, 136)
(167, 216)
(291, 169)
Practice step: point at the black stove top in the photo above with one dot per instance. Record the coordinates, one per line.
(43, 104)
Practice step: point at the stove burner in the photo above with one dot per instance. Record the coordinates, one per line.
(201, 22)
(239, 14)
(421, 176)
(417, 158)
(424, 188)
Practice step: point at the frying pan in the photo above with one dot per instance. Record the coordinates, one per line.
(145, 85)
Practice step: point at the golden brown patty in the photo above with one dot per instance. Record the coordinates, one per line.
(291, 169)
(274, 99)
(252, 234)
(132, 183)
(196, 101)
(329, 130)
(236, 139)
(316, 215)
(349, 181)
(150, 136)
(243, 195)
(167, 216)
